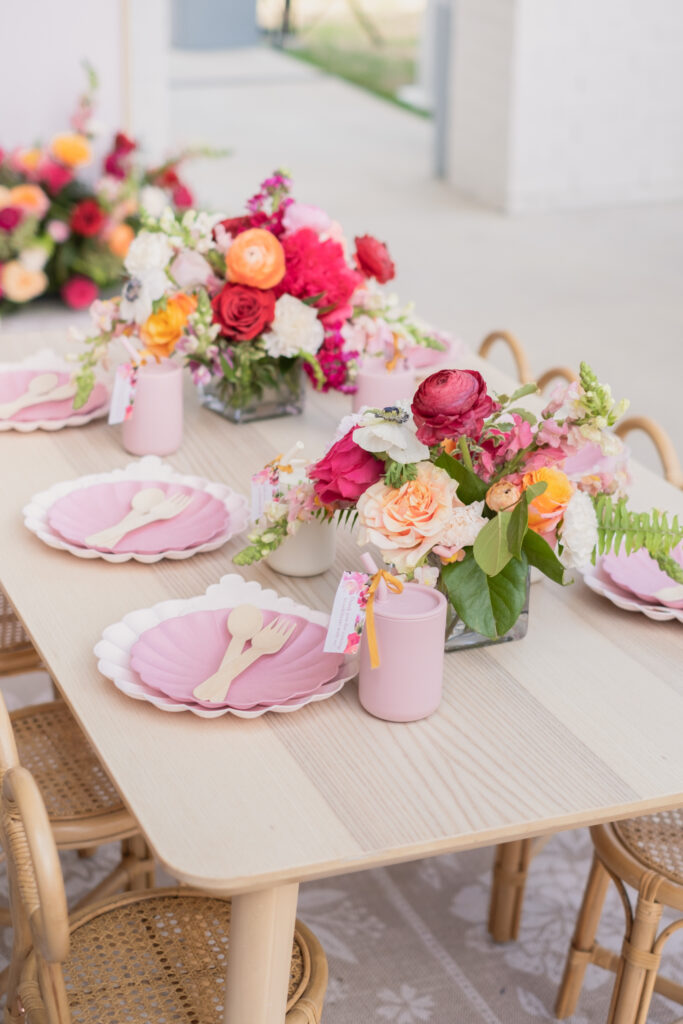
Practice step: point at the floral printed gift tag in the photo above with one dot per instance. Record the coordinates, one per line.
(123, 394)
(348, 613)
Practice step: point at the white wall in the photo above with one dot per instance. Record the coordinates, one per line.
(561, 105)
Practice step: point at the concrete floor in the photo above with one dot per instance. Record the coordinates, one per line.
(602, 285)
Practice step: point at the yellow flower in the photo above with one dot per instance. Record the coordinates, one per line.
(162, 331)
(21, 285)
(546, 511)
(71, 149)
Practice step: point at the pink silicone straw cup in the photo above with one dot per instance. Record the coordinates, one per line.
(156, 424)
(410, 629)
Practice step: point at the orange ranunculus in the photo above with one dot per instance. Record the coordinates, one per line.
(71, 149)
(162, 331)
(256, 258)
(546, 511)
(119, 239)
(31, 199)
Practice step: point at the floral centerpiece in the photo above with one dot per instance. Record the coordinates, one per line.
(61, 235)
(466, 491)
(272, 290)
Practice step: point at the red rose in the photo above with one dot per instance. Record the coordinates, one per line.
(451, 403)
(345, 472)
(235, 225)
(10, 216)
(373, 259)
(182, 197)
(87, 218)
(79, 292)
(243, 312)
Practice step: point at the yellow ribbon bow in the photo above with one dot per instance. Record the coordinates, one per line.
(393, 362)
(396, 587)
(277, 463)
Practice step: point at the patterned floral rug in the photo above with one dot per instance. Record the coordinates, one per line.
(409, 945)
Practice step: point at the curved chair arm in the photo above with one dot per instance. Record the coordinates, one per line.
(662, 442)
(518, 354)
(553, 373)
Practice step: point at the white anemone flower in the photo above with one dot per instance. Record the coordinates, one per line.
(139, 293)
(391, 430)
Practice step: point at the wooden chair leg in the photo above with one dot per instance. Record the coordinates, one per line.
(639, 962)
(507, 889)
(583, 941)
(142, 877)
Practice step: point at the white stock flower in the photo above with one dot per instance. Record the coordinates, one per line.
(295, 328)
(153, 200)
(579, 531)
(392, 431)
(148, 251)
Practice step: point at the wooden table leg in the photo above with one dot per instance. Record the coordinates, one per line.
(261, 934)
(507, 888)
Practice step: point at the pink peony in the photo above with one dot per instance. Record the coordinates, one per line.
(344, 473)
(79, 292)
(316, 268)
(303, 215)
(451, 403)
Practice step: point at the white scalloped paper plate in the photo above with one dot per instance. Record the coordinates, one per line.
(113, 650)
(150, 467)
(46, 359)
(600, 583)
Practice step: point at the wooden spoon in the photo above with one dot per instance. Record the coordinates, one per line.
(244, 622)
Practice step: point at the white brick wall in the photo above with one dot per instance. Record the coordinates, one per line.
(567, 104)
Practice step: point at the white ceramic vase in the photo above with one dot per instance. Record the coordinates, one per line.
(308, 552)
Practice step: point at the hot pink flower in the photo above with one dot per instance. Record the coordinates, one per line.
(182, 197)
(79, 292)
(316, 268)
(54, 175)
(10, 217)
(499, 447)
(344, 473)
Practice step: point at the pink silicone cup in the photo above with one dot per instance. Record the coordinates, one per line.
(14, 383)
(639, 574)
(180, 653)
(90, 509)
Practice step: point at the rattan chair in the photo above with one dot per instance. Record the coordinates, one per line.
(665, 448)
(556, 373)
(140, 957)
(647, 854)
(17, 653)
(84, 809)
(522, 365)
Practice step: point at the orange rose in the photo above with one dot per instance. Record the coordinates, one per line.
(546, 511)
(162, 331)
(119, 239)
(256, 258)
(406, 522)
(71, 149)
(29, 198)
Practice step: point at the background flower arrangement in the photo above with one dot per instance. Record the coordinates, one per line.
(467, 491)
(60, 235)
(248, 300)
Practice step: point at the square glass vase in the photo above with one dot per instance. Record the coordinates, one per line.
(285, 398)
(461, 637)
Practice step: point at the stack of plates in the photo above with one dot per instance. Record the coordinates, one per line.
(636, 583)
(163, 654)
(69, 514)
(16, 381)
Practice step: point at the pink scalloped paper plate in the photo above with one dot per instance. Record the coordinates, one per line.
(640, 574)
(180, 653)
(114, 649)
(91, 509)
(234, 517)
(14, 383)
(597, 580)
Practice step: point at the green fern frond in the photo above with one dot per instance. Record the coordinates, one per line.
(618, 526)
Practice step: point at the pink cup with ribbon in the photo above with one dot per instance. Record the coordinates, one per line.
(410, 628)
(156, 424)
(379, 387)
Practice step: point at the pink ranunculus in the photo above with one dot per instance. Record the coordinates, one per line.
(344, 473)
(499, 446)
(451, 403)
(79, 292)
(58, 230)
(303, 215)
(54, 175)
(189, 268)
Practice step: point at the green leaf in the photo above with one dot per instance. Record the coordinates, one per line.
(470, 487)
(488, 604)
(541, 555)
(491, 548)
(526, 389)
(517, 528)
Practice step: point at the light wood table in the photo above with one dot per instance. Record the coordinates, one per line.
(578, 723)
